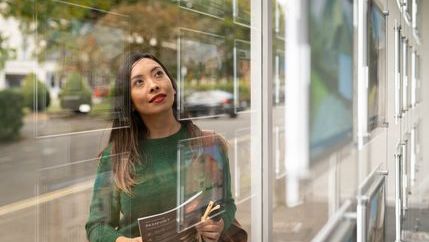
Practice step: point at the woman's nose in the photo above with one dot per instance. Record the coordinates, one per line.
(154, 87)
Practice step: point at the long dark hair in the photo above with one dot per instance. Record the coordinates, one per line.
(128, 129)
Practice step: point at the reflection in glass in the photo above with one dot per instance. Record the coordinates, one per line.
(279, 20)
(331, 40)
(279, 77)
(376, 65)
(215, 8)
(278, 48)
(279, 157)
(241, 12)
(242, 180)
(241, 75)
(204, 90)
(85, 52)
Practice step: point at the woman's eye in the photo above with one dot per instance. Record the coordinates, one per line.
(139, 82)
(159, 73)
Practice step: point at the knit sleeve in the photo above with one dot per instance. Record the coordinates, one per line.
(105, 207)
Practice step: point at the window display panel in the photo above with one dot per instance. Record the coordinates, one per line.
(63, 195)
(331, 91)
(404, 174)
(279, 157)
(215, 8)
(399, 3)
(279, 78)
(418, 79)
(279, 36)
(241, 169)
(204, 89)
(418, 143)
(410, 77)
(84, 54)
(202, 167)
(409, 8)
(398, 72)
(279, 20)
(418, 18)
(376, 215)
(376, 65)
(413, 79)
(404, 69)
(413, 155)
(346, 233)
(398, 192)
(241, 75)
(340, 227)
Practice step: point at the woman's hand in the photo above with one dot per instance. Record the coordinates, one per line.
(125, 239)
(210, 230)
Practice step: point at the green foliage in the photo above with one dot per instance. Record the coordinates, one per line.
(30, 90)
(11, 114)
(6, 53)
(75, 92)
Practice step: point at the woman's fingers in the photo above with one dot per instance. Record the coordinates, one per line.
(211, 230)
(212, 236)
(137, 239)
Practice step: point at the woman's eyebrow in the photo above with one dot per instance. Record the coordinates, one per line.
(155, 68)
(151, 71)
(137, 76)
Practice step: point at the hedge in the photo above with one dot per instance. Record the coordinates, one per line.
(11, 114)
(29, 95)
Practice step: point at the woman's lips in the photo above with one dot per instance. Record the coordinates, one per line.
(158, 98)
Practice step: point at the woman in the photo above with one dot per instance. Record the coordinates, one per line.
(137, 173)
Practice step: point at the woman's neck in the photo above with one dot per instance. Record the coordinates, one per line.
(161, 125)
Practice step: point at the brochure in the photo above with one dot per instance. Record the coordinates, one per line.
(162, 227)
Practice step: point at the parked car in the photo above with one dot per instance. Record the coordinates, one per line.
(210, 103)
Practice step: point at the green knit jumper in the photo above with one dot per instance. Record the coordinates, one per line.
(114, 213)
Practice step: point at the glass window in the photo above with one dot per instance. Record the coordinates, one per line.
(376, 65)
(66, 57)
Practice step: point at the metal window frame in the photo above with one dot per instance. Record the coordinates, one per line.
(261, 120)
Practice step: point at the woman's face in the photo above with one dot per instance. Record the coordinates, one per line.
(151, 90)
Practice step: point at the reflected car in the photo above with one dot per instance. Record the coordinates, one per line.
(79, 101)
(210, 103)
